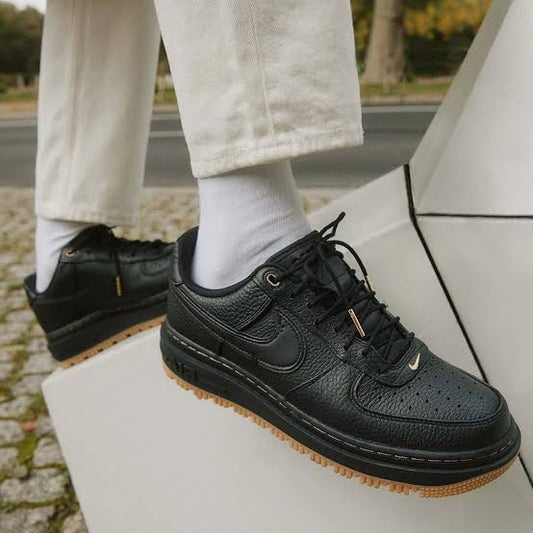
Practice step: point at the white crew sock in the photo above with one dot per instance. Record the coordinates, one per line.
(245, 217)
(51, 236)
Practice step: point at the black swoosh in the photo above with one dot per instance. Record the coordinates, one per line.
(284, 351)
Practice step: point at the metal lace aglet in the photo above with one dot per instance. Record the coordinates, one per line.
(118, 285)
(369, 283)
(358, 326)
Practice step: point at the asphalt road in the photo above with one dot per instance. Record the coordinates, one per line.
(391, 135)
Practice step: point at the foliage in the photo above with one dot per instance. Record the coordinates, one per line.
(20, 40)
(438, 32)
(362, 22)
(444, 18)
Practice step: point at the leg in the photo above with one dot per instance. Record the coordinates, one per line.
(98, 67)
(301, 343)
(95, 101)
(97, 81)
(257, 83)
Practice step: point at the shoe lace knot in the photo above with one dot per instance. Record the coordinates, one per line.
(319, 266)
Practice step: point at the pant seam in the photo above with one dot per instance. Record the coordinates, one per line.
(261, 69)
(74, 68)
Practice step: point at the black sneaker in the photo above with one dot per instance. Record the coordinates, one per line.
(303, 347)
(104, 289)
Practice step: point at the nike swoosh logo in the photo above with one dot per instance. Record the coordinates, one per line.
(282, 351)
(414, 366)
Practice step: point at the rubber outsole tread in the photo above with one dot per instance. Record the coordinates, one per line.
(115, 339)
(441, 491)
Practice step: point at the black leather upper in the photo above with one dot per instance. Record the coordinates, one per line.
(416, 401)
(85, 280)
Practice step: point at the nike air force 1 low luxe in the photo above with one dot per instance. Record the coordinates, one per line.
(304, 347)
(104, 290)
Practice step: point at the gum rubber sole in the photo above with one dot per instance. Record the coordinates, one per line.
(115, 339)
(441, 491)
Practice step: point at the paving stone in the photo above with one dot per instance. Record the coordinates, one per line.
(8, 458)
(6, 355)
(74, 524)
(5, 369)
(47, 452)
(39, 363)
(11, 331)
(10, 432)
(43, 426)
(40, 486)
(18, 471)
(28, 384)
(37, 345)
(15, 300)
(26, 520)
(23, 316)
(15, 408)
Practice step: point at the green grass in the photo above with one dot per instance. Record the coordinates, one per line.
(415, 88)
(169, 97)
(15, 96)
(406, 89)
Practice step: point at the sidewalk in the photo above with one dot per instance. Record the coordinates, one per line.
(36, 495)
(21, 110)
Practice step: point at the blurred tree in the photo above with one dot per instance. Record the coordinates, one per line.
(385, 57)
(362, 18)
(20, 40)
(400, 38)
(439, 33)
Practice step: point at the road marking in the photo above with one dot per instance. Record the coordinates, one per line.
(384, 109)
(166, 134)
(174, 117)
(165, 117)
(18, 123)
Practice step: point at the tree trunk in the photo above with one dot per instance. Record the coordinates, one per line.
(385, 61)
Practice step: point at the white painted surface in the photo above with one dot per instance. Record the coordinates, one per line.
(487, 266)
(477, 94)
(486, 166)
(145, 456)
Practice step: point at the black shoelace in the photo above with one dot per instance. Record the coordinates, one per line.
(104, 236)
(350, 300)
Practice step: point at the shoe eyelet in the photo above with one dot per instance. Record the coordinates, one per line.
(70, 253)
(271, 279)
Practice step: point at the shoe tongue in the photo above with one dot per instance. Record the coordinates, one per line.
(87, 235)
(337, 270)
(286, 256)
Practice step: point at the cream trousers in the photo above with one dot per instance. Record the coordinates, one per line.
(256, 80)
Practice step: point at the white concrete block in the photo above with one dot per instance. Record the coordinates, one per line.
(145, 456)
(487, 266)
(476, 158)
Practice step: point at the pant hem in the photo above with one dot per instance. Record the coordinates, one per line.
(82, 215)
(275, 151)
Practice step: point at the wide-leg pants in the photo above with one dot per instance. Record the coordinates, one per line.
(256, 81)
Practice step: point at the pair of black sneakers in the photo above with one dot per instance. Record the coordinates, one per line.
(302, 346)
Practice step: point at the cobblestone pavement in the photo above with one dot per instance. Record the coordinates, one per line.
(36, 494)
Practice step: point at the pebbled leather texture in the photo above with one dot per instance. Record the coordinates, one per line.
(85, 278)
(420, 403)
